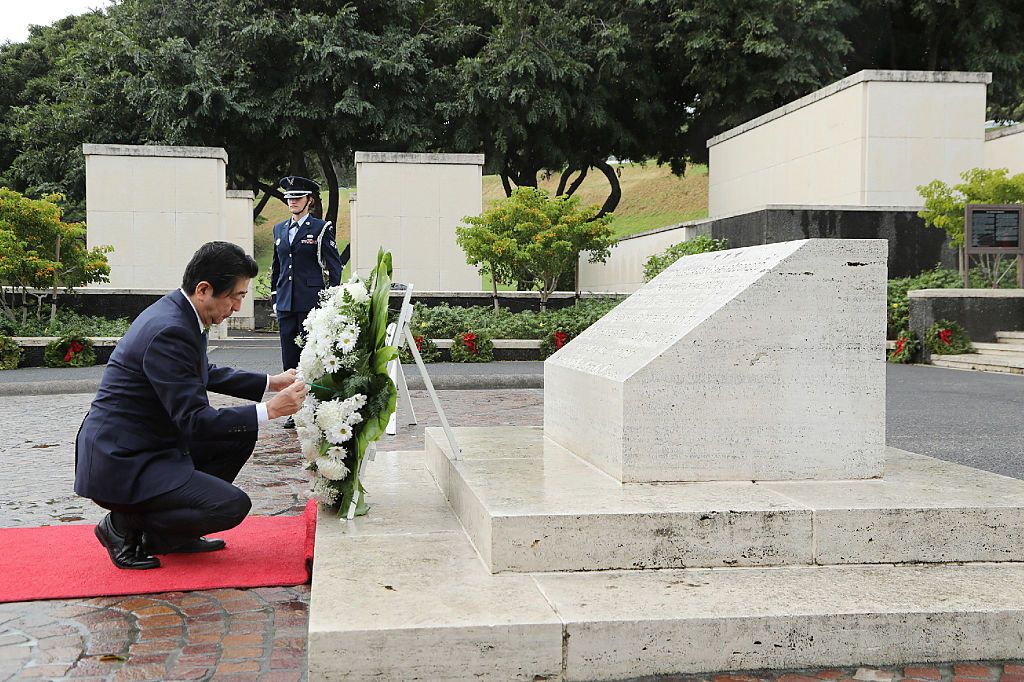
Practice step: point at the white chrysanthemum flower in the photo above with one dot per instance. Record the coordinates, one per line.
(310, 449)
(357, 292)
(331, 468)
(358, 401)
(331, 364)
(332, 418)
(353, 418)
(310, 365)
(306, 415)
(323, 492)
(346, 340)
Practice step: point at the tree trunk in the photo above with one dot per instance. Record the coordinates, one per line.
(575, 184)
(494, 289)
(259, 206)
(56, 281)
(268, 191)
(332, 186)
(506, 184)
(616, 194)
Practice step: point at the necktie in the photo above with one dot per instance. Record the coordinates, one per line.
(292, 231)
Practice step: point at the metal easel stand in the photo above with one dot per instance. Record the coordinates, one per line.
(411, 342)
(397, 334)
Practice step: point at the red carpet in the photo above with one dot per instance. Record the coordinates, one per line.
(61, 562)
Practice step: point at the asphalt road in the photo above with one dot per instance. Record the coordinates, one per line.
(973, 418)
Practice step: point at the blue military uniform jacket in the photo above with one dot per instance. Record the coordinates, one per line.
(152, 402)
(296, 278)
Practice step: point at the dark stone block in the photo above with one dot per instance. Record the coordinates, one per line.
(913, 247)
(980, 316)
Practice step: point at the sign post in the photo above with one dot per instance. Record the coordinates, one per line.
(993, 229)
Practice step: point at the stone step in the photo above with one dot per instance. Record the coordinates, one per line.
(528, 504)
(1003, 348)
(401, 594)
(1010, 337)
(984, 362)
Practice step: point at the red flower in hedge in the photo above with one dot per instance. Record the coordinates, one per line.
(74, 348)
(560, 339)
(469, 338)
(900, 344)
(419, 342)
(946, 336)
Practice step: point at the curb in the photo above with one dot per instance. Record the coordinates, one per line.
(49, 387)
(447, 382)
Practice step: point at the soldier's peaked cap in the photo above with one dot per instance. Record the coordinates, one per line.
(295, 186)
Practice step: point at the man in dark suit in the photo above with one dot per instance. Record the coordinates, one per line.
(306, 260)
(151, 449)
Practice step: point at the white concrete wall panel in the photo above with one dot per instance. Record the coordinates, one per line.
(410, 204)
(762, 363)
(869, 139)
(1004, 148)
(624, 270)
(156, 205)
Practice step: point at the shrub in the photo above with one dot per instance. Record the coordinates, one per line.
(534, 238)
(906, 348)
(70, 351)
(948, 338)
(10, 353)
(898, 302)
(657, 263)
(554, 341)
(425, 345)
(444, 321)
(471, 346)
(66, 323)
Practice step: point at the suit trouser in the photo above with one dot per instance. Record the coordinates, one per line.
(290, 325)
(206, 503)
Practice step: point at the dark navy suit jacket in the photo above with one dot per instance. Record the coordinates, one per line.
(296, 278)
(152, 402)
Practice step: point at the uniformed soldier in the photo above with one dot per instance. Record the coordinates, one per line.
(306, 260)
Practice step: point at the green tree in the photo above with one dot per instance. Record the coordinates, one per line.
(944, 35)
(944, 209)
(38, 250)
(62, 87)
(533, 237)
(280, 85)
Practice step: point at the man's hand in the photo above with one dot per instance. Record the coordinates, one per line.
(287, 401)
(282, 380)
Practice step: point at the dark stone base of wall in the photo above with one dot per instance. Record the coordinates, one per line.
(33, 356)
(981, 315)
(913, 247)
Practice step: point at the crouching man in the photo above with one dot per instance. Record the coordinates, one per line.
(151, 450)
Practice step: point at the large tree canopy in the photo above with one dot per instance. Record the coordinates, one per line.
(539, 86)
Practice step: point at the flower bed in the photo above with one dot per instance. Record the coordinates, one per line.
(33, 349)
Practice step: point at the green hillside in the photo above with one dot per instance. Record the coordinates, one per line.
(651, 198)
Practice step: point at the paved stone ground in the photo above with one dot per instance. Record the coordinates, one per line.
(254, 634)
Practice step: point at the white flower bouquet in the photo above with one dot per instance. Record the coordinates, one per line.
(351, 398)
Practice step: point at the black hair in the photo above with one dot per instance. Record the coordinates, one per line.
(219, 263)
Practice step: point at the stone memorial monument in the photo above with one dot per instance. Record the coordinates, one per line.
(710, 492)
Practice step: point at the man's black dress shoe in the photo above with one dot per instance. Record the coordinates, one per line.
(155, 545)
(125, 551)
(290, 424)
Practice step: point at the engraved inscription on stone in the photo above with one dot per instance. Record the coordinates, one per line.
(762, 363)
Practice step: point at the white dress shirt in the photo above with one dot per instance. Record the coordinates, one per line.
(262, 416)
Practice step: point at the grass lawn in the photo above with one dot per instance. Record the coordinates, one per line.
(651, 198)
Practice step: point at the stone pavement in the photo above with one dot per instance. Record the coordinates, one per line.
(253, 634)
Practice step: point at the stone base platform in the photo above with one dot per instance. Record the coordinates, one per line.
(402, 594)
(528, 504)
